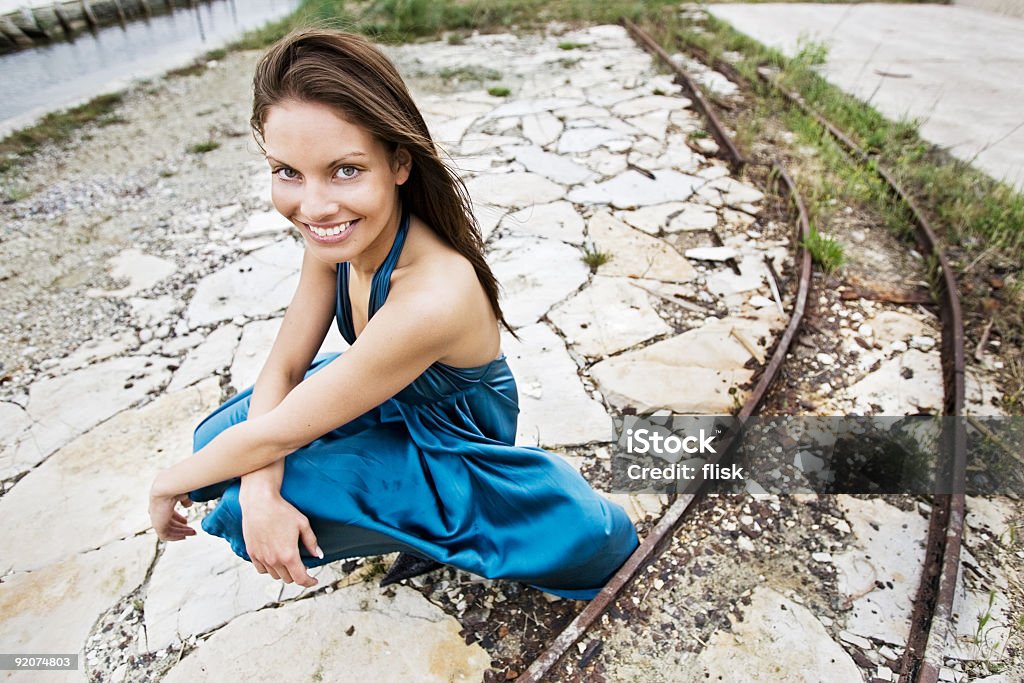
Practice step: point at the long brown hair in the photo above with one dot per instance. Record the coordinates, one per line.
(345, 71)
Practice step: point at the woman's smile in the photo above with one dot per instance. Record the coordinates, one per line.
(331, 233)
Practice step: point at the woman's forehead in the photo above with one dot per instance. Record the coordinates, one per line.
(303, 128)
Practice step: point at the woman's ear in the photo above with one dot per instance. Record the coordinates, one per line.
(402, 165)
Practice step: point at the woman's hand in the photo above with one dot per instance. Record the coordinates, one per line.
(169, 524)
(272, 527)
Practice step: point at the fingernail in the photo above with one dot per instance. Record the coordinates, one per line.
(319, 553)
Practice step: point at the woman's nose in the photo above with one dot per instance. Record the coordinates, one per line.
(318, 202)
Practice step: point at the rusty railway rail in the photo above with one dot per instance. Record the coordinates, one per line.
(933, 606)
(661, 534)
(922, 659)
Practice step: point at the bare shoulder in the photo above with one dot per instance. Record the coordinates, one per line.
(444, 287)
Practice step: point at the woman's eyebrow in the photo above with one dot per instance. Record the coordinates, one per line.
(345, 157)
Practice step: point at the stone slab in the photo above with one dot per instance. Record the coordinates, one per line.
(53, 609)
(635, 254)
(200, 584)
(63, 407)
(632, 189)
(102, 481)
(261, 283)
(212, 356)
(608, 316)
(357, 633)
(889, 547)
(557, 220)
(535, 273)
(776, 640)
(554, 407)
(513, 190)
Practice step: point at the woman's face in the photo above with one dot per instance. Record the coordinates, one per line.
(334, 181)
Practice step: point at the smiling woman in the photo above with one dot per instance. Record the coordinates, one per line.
(406, 441)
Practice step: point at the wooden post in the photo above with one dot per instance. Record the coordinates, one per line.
(90, 18)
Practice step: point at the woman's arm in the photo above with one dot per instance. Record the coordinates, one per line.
(407, 335)
(303, 329)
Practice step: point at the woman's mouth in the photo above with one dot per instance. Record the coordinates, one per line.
(331, 233)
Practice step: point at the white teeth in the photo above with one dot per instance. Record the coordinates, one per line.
(330, 232)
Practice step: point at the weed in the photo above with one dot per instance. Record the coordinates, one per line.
(594, 257)
(203, 147)
(826, 251)
(499, 91)
(212, 55)
(469, 73)
(571, 46)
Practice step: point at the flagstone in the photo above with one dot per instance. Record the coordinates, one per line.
(152, 312)
(913, 378)
(604, 163)
(888, 550)
(265, 224)
(607, 316)
(632, 189)
(651, 219)
(52, 610)
(635, 254)
(731, 192)
(585, 139)
(141, 270)
(212, 356)
(259, 284)
(689, 373)
(542, 128)
(557, 220)
(513, 190)
(476, 143)
(652, 123)
(535, 273)
(693, 217)
(254, 348)
(524, 107)
(650, 103)
(63, 407)
(554, 406)
(777, 630)
(449, 132)
(200, 584)
(356, 633)
(556, 167)
(102, 480)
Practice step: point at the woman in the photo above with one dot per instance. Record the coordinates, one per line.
(405, 441)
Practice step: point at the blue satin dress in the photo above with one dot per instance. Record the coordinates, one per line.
(433, 472)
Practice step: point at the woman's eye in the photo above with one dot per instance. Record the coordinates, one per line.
(286, 173)
(348, 172)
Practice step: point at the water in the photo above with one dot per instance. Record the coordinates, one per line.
(36, 81)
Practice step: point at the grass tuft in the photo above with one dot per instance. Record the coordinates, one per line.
(203, 147)
(499, 91)
(826, 251)
(595, 258)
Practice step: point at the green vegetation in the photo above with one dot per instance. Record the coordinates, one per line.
(499, 91)
(570, 46)
(594, 258)
(203, 147)
(469, 73)
(979, 221)
(826, 251)
(55, 127)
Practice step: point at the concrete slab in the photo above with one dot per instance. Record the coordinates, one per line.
(955, 68)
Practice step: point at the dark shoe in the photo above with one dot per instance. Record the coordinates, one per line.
(408, 566)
